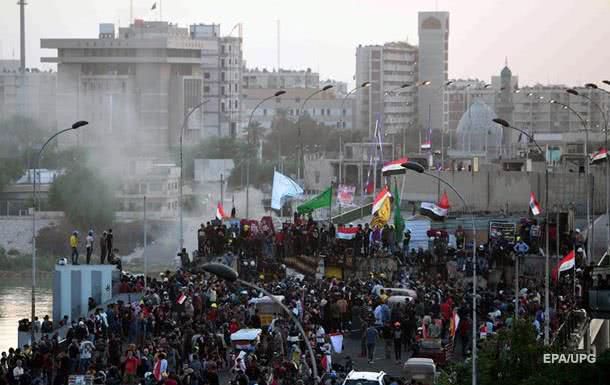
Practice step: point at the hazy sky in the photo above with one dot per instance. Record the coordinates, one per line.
(557, 41)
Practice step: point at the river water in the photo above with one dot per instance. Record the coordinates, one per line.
(15, 304)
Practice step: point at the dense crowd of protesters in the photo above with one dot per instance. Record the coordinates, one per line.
(179, 332)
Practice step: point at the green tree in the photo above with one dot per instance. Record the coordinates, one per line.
(86, 199)
(515, 357)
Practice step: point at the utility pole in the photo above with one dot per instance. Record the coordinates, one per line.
(145, 243)
(221, 189)
(22, 5)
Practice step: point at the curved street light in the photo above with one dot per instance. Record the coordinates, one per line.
(249, 128)
(181, 185)
(506, 124)
(76, 125)
(594, 86)
(583, 122)
(228, 274)
(413, 166)
(302, 155)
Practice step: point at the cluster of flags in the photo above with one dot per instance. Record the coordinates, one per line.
(382, 208)
(436, 211)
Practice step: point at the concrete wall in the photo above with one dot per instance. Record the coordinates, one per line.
(491, 190)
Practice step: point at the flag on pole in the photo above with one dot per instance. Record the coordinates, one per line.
(436, 211)
(600, 156)
(534, 205)
(346, 233)
(380, 199)
(220, 212)
(567, 263)
(394, 167)
(324, 199)
(454, 323)
(399, 222)
(233, 211)
(154, 6)
(382, 208)
(283, 186)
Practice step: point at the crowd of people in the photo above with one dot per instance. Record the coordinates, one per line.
(179, 332)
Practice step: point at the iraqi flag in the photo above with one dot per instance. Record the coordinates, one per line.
(394, 167)
(436, 211)
(567, 263)
(426, 145)
(346, 233)
(220, 212)
(599, 156)
(181, 299)
(380, 199)
(534, 205)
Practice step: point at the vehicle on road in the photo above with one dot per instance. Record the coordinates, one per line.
(422, 370)
(367, 378)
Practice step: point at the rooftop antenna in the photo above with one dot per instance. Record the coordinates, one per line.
(130, 11)
(22, 5)
(278, 47)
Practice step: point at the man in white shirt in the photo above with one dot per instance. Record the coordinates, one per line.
(86, 350)
(18, 372)
(89, 245)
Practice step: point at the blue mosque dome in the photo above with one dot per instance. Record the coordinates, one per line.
(477, 133)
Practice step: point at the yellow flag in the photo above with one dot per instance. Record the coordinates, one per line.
(382, 216)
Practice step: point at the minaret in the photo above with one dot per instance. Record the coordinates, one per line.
(504, 104)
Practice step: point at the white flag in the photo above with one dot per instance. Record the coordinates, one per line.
(337, 341)
(283, 186)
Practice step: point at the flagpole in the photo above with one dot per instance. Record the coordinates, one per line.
(330, 206)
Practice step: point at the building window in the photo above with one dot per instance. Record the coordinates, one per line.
(317, 176)
(206, 89)
(236, 104)
(328, 111)
(206, 75)
(344, 112)
(222, 90)
(222, 107)
(222, 63)
(265, 112)
(222, 76)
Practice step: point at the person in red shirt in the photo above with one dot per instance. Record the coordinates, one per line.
(131, 368)
(233, 326)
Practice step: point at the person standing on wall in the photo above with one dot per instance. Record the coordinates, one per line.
(103, 247)
(89, 245)
(109, 243)
(74, 247)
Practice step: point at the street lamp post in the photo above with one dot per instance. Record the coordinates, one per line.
(506, 124)
(302, 155)
(249, 128)
(583, 122)
(413, 166)
(75, 126)
(363, 85)
(607, 168)
(228, 274)
(181, 186)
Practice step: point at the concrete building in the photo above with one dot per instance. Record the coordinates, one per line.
(158, 182)
(433, 66)
(325, 108)
(31, 94)
(282, 79)
(387, 67)
(222, 66)
(133, 86)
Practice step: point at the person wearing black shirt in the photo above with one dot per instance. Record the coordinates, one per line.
(109, 245)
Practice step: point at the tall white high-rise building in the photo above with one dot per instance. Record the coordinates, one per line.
(387, 67)
(433, 66)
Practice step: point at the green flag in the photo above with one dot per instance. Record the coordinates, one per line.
(324, 199)
(399, 222)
